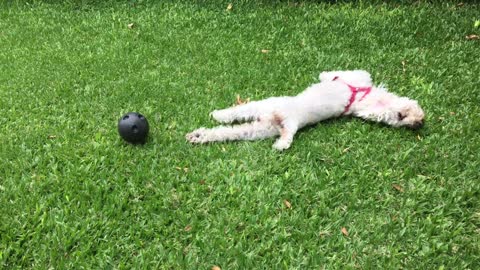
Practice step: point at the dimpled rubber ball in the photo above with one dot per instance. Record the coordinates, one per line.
(133, 128)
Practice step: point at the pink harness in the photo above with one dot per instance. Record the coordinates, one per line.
(354, 91)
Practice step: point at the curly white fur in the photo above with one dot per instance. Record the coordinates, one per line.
(284, 116)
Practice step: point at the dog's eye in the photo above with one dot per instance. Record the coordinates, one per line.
(401, 116)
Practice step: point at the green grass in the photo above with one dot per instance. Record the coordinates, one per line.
(73, 195)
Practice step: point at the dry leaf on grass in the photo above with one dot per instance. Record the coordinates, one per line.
(397, 187)
(130, 25)
(52, 136)
(287, 204)
(216, 267)
(324, 233)
(188, 228)
(344, 231)
(240, 101)
(265, 51)
(230, 6)
(472, 37)
(345, 150)
(182, 169)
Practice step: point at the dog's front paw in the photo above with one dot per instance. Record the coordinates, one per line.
(282, 145)
(197, 136)
(221, 116)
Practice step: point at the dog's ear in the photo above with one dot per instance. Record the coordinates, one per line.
(403, 113)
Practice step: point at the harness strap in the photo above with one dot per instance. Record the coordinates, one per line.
(355, 91)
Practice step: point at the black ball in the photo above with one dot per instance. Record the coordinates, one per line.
(133, 127)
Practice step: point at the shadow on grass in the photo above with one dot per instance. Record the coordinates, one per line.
(344, 120)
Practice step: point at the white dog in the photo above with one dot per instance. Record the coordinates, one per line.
(338, 93)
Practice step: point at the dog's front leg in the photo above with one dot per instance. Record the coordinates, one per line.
(260, 129)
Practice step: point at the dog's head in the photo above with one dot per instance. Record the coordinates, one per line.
(407, 113)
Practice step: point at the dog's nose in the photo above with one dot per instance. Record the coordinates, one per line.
(417, 124)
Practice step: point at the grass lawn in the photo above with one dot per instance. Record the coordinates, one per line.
(348, 194)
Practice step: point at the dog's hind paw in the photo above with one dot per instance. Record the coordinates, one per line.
(222, 116)
(281, 145)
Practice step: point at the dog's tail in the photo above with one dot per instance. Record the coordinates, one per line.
(359, 78)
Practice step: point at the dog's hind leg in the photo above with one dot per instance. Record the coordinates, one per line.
(250, 111)
(241, 113)
(287, 129)
(248, 131)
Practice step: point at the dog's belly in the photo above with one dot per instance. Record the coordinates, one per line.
(318, 103)
(314, 115)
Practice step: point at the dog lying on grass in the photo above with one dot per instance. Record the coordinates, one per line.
(338, 93)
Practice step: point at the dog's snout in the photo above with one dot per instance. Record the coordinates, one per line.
(417, 124)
